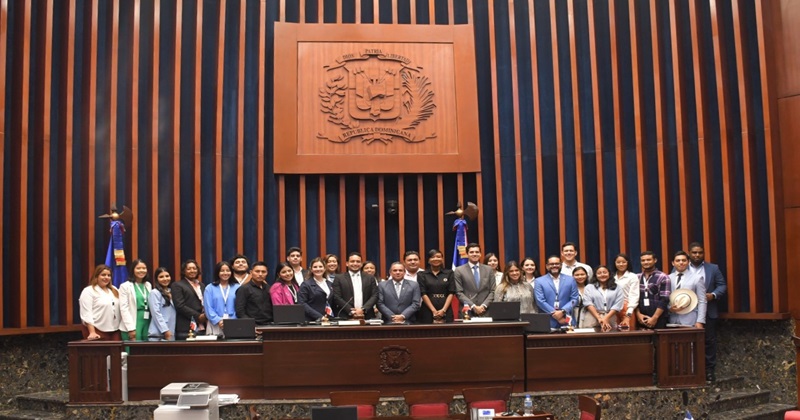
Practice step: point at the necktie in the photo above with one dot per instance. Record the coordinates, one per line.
(477, 276)
(397, 287)
(680, 275)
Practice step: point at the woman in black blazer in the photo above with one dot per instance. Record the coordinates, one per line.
(316, 293)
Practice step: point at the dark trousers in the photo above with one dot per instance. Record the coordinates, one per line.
(711, 344)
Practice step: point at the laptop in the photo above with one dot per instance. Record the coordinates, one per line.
(504, 311)
(537, 323)
(239, 329)
(349, 412)
(289, 314)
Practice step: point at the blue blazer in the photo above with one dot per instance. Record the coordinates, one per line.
(314, 299)
(407, 305)
(715, 283)
(544, 292)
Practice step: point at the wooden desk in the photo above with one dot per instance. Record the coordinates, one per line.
(391, 358)
(589, 361)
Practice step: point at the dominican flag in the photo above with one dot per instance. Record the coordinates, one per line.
(193, 325)
(460, 248)
(688, 416)
(115, 257)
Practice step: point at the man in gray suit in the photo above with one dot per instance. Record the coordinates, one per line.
(475, 282)
(682, 278)
(398, 298)
(716, 286)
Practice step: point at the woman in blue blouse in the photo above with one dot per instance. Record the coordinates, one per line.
(162, 310)
(219, 297)
(316, 293)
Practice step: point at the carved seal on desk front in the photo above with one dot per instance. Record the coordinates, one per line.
(395, 360)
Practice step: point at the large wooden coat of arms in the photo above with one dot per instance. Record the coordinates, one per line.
(375, 99)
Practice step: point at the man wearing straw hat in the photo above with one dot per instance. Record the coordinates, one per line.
(687, 302)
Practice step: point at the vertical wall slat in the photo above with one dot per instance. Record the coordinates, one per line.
(638, 111)
(339, 12)
(358, 11)
(154, 182)
(342, 221)
(576, 126)
(376, 6)
(112, 138)
(323, 237)
(3, 80)
(520, 192)
(660, 104)
(773, 165)
(198, 102)
(218, 137)
(498, 174)
(262, 47)
(240, 131)
(413, 12)
(137, 9)
(725, 138)
(302, 216)
(362, 213)
(301, 7)
(44, 238)
(281, 215)
(320, 12)
(176, 137)
(562, 222)
(702, 129)
(68, 154)
(598, 133)
(381, 260)
(90, 184)
(745, 116)
(431, 12)
(401, 213)
(450, 12)
(537, 125)
(420, 219)
(680, 114)
(395, 12)
(620, 167)
(440, 209)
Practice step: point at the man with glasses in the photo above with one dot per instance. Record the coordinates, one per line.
(556, 293)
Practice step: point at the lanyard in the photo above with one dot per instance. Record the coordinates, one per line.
(141, 292)
(292, 292)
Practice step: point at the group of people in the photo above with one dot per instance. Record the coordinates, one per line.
(573, 293)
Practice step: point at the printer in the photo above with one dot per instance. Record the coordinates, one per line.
(188, 401)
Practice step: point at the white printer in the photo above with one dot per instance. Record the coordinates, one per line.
(188, 401)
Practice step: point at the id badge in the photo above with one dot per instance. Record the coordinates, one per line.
(225, 316)
(147, 315)
(646, 302)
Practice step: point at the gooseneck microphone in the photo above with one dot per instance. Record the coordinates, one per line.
(339, 314)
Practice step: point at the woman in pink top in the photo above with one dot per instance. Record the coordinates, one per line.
(284, 291)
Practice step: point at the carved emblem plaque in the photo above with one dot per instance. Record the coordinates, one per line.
(375, 99)
(395, 360)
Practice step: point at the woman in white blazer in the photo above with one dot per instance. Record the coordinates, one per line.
(133, 297)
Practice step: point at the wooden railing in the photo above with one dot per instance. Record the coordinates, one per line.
(91, 380)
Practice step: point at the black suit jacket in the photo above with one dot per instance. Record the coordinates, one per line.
(187, 305)
(343, 294)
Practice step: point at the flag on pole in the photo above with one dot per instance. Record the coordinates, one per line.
(115, 257)
(459, 252)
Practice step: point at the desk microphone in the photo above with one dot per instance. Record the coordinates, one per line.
(339, 314)
(508, 401)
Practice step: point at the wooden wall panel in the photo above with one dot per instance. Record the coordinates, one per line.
(712, 62)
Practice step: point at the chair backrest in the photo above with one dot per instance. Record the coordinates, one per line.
(494, 397)
(365, 401)
(590, 408)
(432, 402)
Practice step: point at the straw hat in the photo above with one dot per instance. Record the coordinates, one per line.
(684, 300)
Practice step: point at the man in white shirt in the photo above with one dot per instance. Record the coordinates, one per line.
(355, 293)
(569, 258)
(295, 258)
(411, 263)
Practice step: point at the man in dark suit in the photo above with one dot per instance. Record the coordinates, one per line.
(475, 282)
(187, 297)
(715, 290)
(294, 256)
(354, 292)
(398, 298)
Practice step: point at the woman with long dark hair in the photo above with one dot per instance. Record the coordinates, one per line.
(603, 299)
(285, 289)
(162, 310)
(99, 303)
(133, 302)
(219, 298)
(514, 288)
